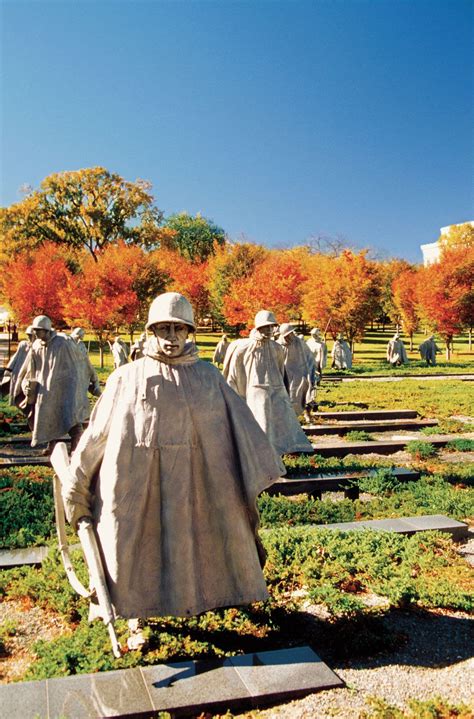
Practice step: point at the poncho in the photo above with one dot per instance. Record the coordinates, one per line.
(428, 350)
(119, 353)
(300, 370)
(220, 351)
(171, 465)
(396, 353)
(341, 355)
(15, 395)
(319, 350)
(88, 379)
(52, 384)
(255, 368)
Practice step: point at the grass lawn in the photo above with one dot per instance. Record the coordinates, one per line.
(369, 355)
(431, 398)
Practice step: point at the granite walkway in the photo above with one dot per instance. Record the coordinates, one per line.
(183, 688)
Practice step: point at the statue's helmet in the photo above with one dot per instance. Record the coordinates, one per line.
(264, 318)
(286, 329)
(315, 332)
(171, 307)
(42, 322)
(78, 332)
(29, 330)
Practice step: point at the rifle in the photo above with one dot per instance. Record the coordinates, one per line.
(88, 540)
(327, 327)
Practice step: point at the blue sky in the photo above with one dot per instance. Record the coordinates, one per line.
(278, 120)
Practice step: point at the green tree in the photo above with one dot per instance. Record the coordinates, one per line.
(89, 209)
(194, 238)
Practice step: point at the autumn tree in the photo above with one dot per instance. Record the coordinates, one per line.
(187, 277)
(275, 284)
(404, 292)
(102, 295)
(32, 283)
(230, 263)
(193, 237)
(342, 294)
(446, 293)
(83, 209)
(461, 235)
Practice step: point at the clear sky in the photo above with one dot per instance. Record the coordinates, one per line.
(278, 120)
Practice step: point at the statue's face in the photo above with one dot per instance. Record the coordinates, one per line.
(42, 334)
(171, 337)
(267, 330)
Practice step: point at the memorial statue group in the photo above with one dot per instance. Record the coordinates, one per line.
(171, 460)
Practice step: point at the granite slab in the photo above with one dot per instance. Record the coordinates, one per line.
(205, 685)
(459, 530)
(181, 688)
(342, 448)
(367, 414)
(406, 525)
(381, 425)
(24, 700)
(284, 674)
(17, 557)
(32, 461)
(105, 694)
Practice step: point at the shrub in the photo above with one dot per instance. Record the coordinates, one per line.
(279, 510)
(448, 426)
(421, 450)
(460, 445)
(381, 482)
(358, 435)
(406, 570)
(8, 628)
(436, 708)
(26, 506)
(48, 586)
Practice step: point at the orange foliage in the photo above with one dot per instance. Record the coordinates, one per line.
(33, 283)
(404, 288)
(188, 277)
(446, 291)
(342, 293)
(275, 284)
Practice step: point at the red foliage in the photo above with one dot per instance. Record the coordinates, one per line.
(446, 291)
(33, 282)
(275, 284)
(101, 295)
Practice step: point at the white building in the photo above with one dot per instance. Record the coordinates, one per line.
(432, 251)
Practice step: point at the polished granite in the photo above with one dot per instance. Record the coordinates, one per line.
(181, 688)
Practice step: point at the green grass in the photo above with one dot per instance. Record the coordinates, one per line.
(431, 398)
(369, 356)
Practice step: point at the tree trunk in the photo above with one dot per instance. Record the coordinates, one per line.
(448, 348)
(470, 339)
(411, 341)
(101, 354)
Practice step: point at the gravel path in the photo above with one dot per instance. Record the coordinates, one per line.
(436, 661)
